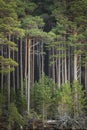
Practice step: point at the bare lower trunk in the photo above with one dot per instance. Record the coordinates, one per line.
(8, 76)
(59, 81)
(42, 58)
(39, 61)
(13, 76)
(21, 67)
(86, 78)
(53, 66)
(2, 72)
(28, 75)
(56, 70)
(69, 64)
(65, 68)
(2, 77)
(17, 72)
(75, 66)
(33, 65)
(26, 68)
(13, 73)
(79, 69)
(62, 68)
(75, 79)
(49, 71)
(8, 84)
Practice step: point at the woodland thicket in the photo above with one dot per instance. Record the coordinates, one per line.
(43, 61)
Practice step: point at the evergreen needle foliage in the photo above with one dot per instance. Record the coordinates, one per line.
(43, 62)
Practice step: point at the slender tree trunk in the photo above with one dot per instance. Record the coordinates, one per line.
(75, 66)
(21, 67)
(75, 79)
(53, 66)
(56, 68)
(39, 61)
(86, 78)
(49, 71)
(8, 76)
(2, 76)
(62, 67)
(68, 63)
(13, 71)
(26, 68)
(65, 68)
(32, 71)
(42, 57)
(79, 69)
(33, 64)
(59, 71)
(17, 74)
(29, 44)
(13, 75)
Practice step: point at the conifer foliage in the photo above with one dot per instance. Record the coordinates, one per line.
(43, 60)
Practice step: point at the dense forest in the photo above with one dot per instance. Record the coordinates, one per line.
(43, 64)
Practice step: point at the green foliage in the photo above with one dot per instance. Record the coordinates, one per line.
(20, 33)
(14, 115)
(78, 11)
(0, 112)
(22, 18)
(79, 99)
(65, 104)
(51, 36)
(69, 100)
(5, 63)
(2, 100)
(32, 22)
(10, 115)
(36, 33)
(72, 100)
(42, 94)
(2, 103)
(21, 102)
(33, 26)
